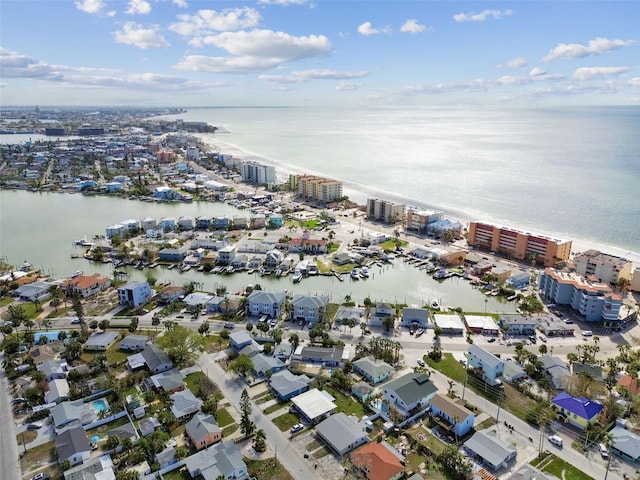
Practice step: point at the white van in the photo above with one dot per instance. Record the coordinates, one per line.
(587, 333)
(556, 440)
(603, 451)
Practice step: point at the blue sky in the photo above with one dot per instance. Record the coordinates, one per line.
(305, 52)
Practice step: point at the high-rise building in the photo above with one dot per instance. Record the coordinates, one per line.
(257, 173)
(519, 244)
(419, 220)
(606, 268)
(385, 211)
(319, 188)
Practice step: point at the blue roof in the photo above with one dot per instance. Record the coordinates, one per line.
(581, 406)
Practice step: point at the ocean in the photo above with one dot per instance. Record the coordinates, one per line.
(570, 172)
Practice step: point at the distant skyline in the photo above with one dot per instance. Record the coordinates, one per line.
(305, 52)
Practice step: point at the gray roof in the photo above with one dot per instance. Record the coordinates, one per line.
(169, 380)
(240, 337)
(490, 447)
(340, 431)
(557, 369)
(517, 320)
(89, 469)
(201, 425)
(69, 411)
(285, 382)
(513, 370)
(101, 339)
(626, 442)
(72, 441)
(58, 388)
(124, 431)
(134, 341)
(310, 301)
(220, 459)
(349, 312)
(374, 368)
(261, 296)
(262, 363)
(51, 367)
(154, 356)
(324, 354)
(488, 358)
(411, 387)
(184, 402)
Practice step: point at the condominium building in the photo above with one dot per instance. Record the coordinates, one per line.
(606, 268)
(519, 244)
(385, 211)
(257, 173)
(318, 188)
(595, 301)
(419, 220)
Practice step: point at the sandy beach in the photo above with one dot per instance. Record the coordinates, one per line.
(359, 193)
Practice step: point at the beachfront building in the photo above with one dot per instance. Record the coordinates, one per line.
(595, 301)
(606, 268)
(518, 244)
(320, 189)
(384, 211)
(420, 220)
(253, 172)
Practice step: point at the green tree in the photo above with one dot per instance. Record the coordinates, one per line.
(454, 464)
(133, 325)
(181, 344)
(104, 324)
(388, 323)
(242, 365)
(247, 426)
(113, 442)
(203, 329)
(93, 325)
(76, 303)
(259, 441)
(294, 340)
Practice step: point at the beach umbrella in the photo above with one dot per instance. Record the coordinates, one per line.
(95, 438)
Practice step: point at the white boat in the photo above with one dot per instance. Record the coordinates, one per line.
(25, 266)
(229, 269)
(364, 272)
(77, 273)
(313, 269)
(355, 274)
(435, 304)
(297, 276)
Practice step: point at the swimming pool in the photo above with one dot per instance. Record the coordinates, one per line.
(51, 336)
(380, 405)
(99, 405)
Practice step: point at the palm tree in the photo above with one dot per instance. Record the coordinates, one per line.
(294, 340)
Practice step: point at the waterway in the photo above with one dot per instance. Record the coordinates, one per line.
(41, 228)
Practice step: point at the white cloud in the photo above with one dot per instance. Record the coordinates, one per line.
(90, 6)
(267, 44)
(135, 34)
(597, 46)
(536, 72)
(367, 29)
(138, 7)
(282, 2)
(348, 86)
(205, 22)
(482, 16)
(180, 3)
(303, 76)
(412, 26)
(634, 82)
(14, 65)
(202, 63)
(587, 73)
(516, 62)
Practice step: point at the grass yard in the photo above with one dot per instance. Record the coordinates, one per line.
(192, 381)
(347, 404)
(286, 421)
(27, 436)
(561, 469)
(263, 397)
(103, 429)
(223, 418)
(229, 429)
(449, 366)
(318, 454)
(38, 457)
(269, 469)
(276, 407)
(179, 474)
(424, 438)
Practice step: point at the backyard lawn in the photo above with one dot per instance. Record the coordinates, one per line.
(347, 404)
(103, 429)
(269, 469)
(449, 366)
(38, 457)
(223, 418)
(276, 406)
(561, 469)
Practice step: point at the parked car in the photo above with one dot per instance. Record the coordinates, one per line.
(297, 427)
(75, 321)
(556, 440)
(587, 333)
(229, 325)
(40, 476)
(421, 362)
(491, 339)
(603, 451)
(568, 321)
(533, 339)
(34, 426)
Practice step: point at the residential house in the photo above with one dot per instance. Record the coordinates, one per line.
(148, 425)
(485, 364)
(240, 339)
(519, 280)
(286, 385)
(226, 254)
(513, 372)
(557, 371)
(362, 391)
(101, 341)
(33, 292)
(518, 324)
(186, 222)
(374, 371)
(314, 405)
(379, 461)
(223, 459)
(327, 356)
(58, 391)
(153, 357)
(481, 324)
(72, 445)
(309, 308)
(629, 383)
(126, 430)
(67, 413)
(134, 343)
(52, 369)
(452, 415)
(342, 433)
(266, 363)
(98, 468)
(487, 447)
(86, 286)
(410, 394)
(261, 303)
(449, 324)
(134, 294)
(184, 404)
(172, 254)
(416, 317)
(169, 294)
(166, 457)
(170, 381)
(578, 411)
(203, 431)
(625, 444)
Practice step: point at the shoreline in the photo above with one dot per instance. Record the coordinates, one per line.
(360, 192)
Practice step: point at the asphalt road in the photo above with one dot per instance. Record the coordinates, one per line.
(9, 462)
(231, 387)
